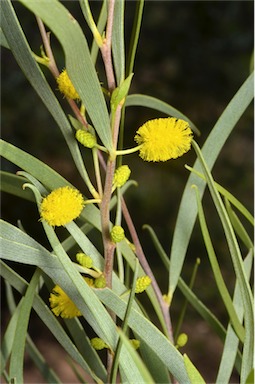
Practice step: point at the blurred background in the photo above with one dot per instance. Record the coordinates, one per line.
(193, 55)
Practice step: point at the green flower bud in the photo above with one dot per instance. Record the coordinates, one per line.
(84, 260)
(121, 175)
(136, 343)
(98, 343)
(182, 340)
(86, 138)
(117, 234)
(142, 283)
(100, 282)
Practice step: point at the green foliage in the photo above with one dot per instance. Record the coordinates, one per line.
(114, 312)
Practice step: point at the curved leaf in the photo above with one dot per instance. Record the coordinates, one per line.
(188, 208)
(19, 342)
(78, 62)
(139, 100)
(23, 54)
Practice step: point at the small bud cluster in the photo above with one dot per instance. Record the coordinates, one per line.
(100, 282)
(86, 138)
(135, 343)
(142, 283)
(121, 176)
(117, 234)
(84, 260)
(98, 343)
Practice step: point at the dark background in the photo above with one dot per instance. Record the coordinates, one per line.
(193, 55)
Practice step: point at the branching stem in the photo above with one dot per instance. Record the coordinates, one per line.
(140, 254)
(106, 47)
(54, 69)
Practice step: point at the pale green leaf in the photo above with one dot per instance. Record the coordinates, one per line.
(8, 338)
(118, 41)
(78, 62)
(231, 344)
(238, 227)
(138, 100)
(142, 374)
(135, 36)
(49, 319)
(151, 335)
(3, 41)
(194, 375)
(19, 342)
(13, 184)
(237, 261)
(47, 373)
(120, 92)
(224, 192)
(124, 328)
(23, 55)
(217, 271)
(188, 209)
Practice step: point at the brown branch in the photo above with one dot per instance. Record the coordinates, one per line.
(140, 254)
(106, 47)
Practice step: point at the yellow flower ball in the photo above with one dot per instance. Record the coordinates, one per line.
(163, 139)
(66, 86)
(62, 305)
(121, 175)
(62, 206)
(142, 283)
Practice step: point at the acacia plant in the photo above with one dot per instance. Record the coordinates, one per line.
(98, 283)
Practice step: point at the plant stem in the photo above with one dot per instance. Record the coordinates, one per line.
(106, 47)
(109, 246)
(140, 254)
(54, 69)
(46, 42)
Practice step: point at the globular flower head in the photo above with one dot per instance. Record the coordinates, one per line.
(121, 175)
(86, 138)
(100, 282)
(142, 283)
(98, 343)
(66, 86)
(84, 260)
(117, 233)
(163, 139)
(62, 305)
(61, 206)
(135, 343)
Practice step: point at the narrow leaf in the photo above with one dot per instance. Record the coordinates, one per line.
(118, 41)
(188, 209)
(19, 342)
(224, 192)
(139, 100)
(78, 61)
(238, 267)
(194, 375)
(230, 351)
(217, 271)
(23, 55)
(142, 374)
